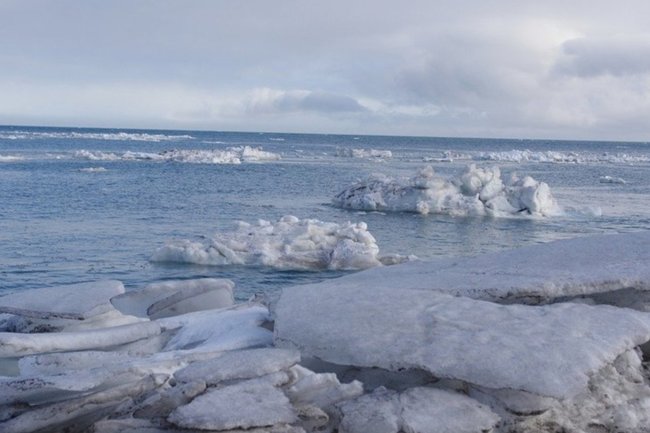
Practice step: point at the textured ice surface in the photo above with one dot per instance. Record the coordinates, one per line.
(478, 191)
(243, 405)
(171, 298)
(239, 364)
(531, 274)
(417, 410)
(289, 243)
(548, 350)
(75, 301)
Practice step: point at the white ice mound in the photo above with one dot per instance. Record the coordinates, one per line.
(547, 350)
(289, 243)
(363, 153)
(610, 269)
(478, 191)
(10, 158)
(231, 155)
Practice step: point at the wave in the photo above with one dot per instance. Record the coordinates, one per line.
(288, 244)
(478, 191)
(111, 136)
(231, 155)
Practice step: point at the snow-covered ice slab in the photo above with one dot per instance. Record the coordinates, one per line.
(170, 298)
(478, 191)
(239, 364)
(253, 403)
(289, 243)
(75, 301)
(531, 274)
(548, 350)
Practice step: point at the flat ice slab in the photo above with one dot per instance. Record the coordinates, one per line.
(244, 405)
(547, 350)
(530, 274)
(75, 301)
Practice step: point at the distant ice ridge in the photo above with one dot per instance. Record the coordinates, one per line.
(231, 155)
(289, 243)
(112, 136)
(363, 153)
(478, 191)
(10, 158)
(558, 157)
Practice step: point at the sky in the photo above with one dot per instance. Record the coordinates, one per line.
(511, 68)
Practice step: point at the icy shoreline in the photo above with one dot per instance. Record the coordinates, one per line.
(544, 338)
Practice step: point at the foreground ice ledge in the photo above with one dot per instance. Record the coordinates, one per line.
(607, 269)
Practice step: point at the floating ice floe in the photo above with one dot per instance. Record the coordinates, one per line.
(93, 170)
(363, 153)
(478, 191)
(289, 243)
(231, 155)
(614, 180)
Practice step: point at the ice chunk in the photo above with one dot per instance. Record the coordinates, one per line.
(289, 243)
(161, 404)
(478, 191)
(531, 274)
(378, 412)
(363, 153)
(239, 364)
(322, 390)
(478, 342)
(243, 405)
(213, 330)
(417, 410)
(170, 298)
(76, 301)
(610, 179)
(15, 345)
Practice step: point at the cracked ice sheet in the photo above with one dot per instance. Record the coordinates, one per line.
(573, 267)
(547, 350)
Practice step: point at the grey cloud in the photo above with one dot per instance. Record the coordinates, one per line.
(589, 57)
(293, 101)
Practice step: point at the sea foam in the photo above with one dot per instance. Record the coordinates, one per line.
(110, 136)
(478, 191)
(289, 244)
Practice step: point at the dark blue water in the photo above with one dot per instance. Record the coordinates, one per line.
(59, 224)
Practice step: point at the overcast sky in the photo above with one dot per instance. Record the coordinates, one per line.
(511, 68)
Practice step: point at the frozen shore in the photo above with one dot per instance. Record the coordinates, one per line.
(544, 338)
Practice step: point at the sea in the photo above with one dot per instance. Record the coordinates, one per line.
(79, 204)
